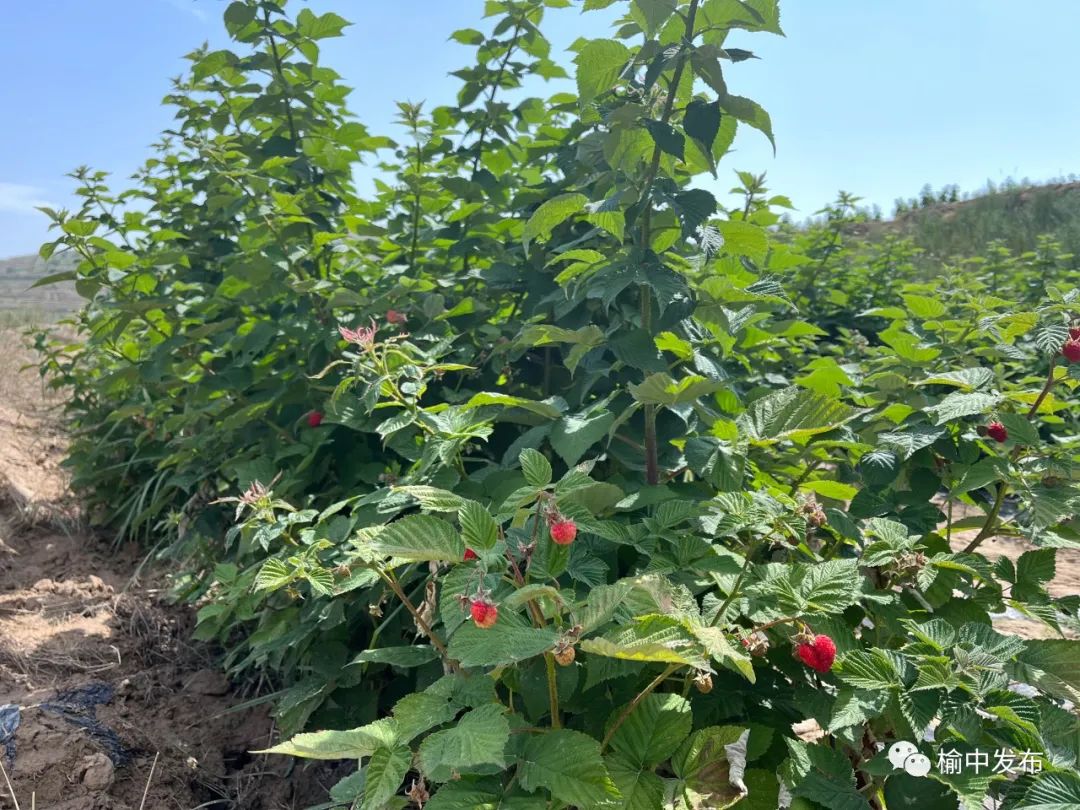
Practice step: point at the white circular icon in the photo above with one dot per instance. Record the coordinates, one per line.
(900, 751)
(917, 765)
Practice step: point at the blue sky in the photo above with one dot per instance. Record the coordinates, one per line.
(873, 97)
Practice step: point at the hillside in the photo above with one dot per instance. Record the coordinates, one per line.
(17, 277)
(1016, 215)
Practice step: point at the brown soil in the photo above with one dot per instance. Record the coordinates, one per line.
(73, 617)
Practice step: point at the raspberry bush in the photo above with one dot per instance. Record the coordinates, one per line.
(544, 479)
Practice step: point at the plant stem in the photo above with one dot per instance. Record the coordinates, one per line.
(644, 693)
(1002, 488)
(436, 642)
(553, 690)
(750, 552)
(652, 467)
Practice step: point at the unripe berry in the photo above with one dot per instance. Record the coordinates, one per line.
(565, 656)
(818, 654)
(563, 532)
(997, 431)
(1071, 350)
(703, 682)
(395, 317)
(483, 612)
(314, 419)
(469, 554)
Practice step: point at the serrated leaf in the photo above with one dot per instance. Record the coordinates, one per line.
(574, 434)
(966, 378)
(419, 538)
(274, 574)
(352, 744)
(867, 669)
(478, 738)
(653, 730)
(661, 389)
(793, 413)
(383, 775)
(433, 499)
(568, 764)
(536, 468)
(478, 528)
(959, 404)
(551, 214)
(507, 641)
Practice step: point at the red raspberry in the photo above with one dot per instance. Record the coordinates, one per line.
(314, 419)
(997, 431)
(484, 612)
(563, 532)
(469, 554)
(395, 317)
(818, 655)
(1074, 332)
(1071, 350)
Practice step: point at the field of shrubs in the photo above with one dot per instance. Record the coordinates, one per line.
(544, 478)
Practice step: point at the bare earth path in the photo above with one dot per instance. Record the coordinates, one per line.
(96, 668)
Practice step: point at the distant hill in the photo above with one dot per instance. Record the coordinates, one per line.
(17, 276)
(1016, 215)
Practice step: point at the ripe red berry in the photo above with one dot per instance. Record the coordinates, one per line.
(819, 654)
(395, 317)
(469, 554)
(1071, 350)
(563, 532)
(997, 431)
(1074, 332)
(314, 419)
(483, 612)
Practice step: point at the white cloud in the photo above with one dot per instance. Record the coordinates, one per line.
(20, 199)
(190, 7)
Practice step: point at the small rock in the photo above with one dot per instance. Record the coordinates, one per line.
(96, 772)
(208, 682)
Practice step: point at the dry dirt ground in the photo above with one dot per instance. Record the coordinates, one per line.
(107, 686)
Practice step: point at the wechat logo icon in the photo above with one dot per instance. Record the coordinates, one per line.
(903, 754)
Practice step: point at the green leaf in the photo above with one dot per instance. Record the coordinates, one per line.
(793, 414)
(639, 788)
(574, 434)
(867, 669)
(749, 112)
(667, 138)
(653, 730)
(831, 489)
(412, 656)
(653, 638)
(418, 538)
(599, 62)
(958, 405)
(383, 775)
(536, 468)
(1056, 663)
(967, 378)
(433, 499)
(507, 641)
(856, 707)
(478, 738)
(703, 764)
(661, 389)
(320, 26)
(1051, 791)
(352, 744)
(539, 408)
(274, 574)
(702, 122)
(478, 528)
(550, 214)
(1021, 431)
(569, 765)
(744, 239)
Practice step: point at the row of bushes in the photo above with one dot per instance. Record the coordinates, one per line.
(541, 478)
